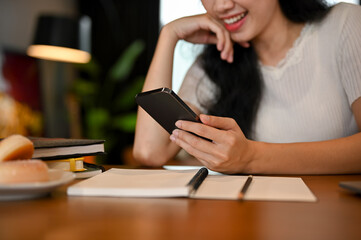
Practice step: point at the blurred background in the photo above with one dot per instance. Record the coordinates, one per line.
(54, 97)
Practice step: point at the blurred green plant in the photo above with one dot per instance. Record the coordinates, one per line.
(108, 105)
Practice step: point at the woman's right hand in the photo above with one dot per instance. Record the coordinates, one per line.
(203, 29)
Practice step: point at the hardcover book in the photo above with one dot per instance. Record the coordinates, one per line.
(62, 148)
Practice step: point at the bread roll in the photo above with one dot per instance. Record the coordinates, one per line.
(16, 147)
(23, 171)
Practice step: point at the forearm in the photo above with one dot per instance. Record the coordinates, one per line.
(339, 156)
(152, 145)
(161, 67)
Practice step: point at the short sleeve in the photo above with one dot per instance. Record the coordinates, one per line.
(350, 53)
(197, 89)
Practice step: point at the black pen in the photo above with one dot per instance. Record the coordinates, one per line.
(245, 187)
(197, 180)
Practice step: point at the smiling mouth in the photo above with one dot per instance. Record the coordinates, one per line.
(235, 19)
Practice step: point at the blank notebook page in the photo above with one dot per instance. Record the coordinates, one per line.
(261, 188)
(131, 182)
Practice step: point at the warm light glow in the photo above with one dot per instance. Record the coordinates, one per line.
(55, 53)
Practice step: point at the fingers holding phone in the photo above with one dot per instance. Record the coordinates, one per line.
(217, 142)
(229, 151)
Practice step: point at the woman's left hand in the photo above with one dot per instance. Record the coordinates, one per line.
(229, 151)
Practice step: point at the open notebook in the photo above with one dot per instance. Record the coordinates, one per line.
(175, 183)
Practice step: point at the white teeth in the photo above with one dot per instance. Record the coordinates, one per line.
(234, 19)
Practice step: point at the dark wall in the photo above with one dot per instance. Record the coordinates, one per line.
(117, 23)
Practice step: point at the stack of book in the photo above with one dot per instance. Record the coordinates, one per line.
(68, 154)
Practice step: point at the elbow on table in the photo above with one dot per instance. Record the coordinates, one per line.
(149, 158)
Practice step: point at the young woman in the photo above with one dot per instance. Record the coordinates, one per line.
(279, 80)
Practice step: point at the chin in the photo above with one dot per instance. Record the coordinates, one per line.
(240, 38)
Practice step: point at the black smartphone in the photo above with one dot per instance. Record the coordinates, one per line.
(165, 107)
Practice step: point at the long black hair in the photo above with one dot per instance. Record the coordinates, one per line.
(240, 83)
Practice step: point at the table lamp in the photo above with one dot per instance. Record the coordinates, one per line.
(63, 39)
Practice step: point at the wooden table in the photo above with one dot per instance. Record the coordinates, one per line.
(336, 215)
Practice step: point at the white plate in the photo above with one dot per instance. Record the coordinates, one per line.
(21, 191)
(179, 167)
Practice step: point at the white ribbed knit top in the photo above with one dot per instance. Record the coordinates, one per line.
(308, 96)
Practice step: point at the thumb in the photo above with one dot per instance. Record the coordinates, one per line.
(222, 123)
